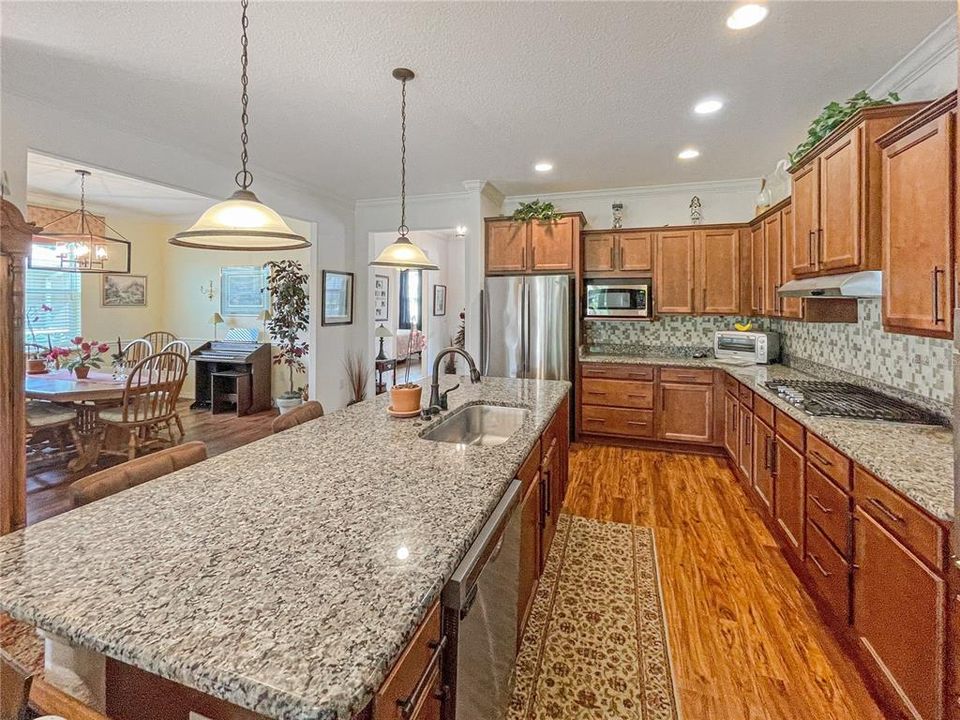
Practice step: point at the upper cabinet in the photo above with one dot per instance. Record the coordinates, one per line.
(673, 289)
(618, 252)
(517, 247)
(918, 228)
(698, 271)
(836, 196)
(755, 253)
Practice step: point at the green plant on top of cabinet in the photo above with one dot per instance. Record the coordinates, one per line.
(919, 202)
(618, 252)
(698, 271)
(518, 247)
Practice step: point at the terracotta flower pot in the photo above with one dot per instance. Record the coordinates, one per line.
(82, 372)
(36, 365)
(405, 399)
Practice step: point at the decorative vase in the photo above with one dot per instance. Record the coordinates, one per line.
(81, 372)
(286, 404)
(405, 398)
(36, 366)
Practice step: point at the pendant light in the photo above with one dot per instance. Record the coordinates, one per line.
(241, 222)
(402, 253)
(77, 242)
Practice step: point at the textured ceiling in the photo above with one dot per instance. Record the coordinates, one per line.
(603, 90)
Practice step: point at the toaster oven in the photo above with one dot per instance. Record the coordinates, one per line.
(760, 348)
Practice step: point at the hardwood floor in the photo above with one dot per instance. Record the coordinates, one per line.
(746, 640)
(48, 488)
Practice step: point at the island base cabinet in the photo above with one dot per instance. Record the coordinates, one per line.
(530, 508)
(899, 619)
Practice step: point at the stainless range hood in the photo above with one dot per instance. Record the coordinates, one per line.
(864, 284)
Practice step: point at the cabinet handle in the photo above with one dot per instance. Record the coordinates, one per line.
(533, 256)
(638, 397)
(596, 420)
(548, 481)
(621, 257)
(613, 264)
(935, 278)
(523, 257)
(820, 457)
(703, 297)
(813, 234)
(410, 704)
(595, 392)
(774, 463)
(821, 568)
(819, 246)
(823, 508)
(879, 505)
(636, 422)
(747, 434)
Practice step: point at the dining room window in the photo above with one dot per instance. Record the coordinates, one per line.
(51, 307)
(411, 299)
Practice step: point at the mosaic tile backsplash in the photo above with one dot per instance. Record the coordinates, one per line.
(917, 365)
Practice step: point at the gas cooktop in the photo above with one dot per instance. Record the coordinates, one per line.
(840, 399)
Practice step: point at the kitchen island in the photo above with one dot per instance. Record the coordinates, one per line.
(286, 576)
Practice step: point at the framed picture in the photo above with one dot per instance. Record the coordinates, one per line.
(241, 290)
(124, 291)
(439, 300)
(381, 298)
(337, 298)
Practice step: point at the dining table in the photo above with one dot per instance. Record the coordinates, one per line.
(87, 397)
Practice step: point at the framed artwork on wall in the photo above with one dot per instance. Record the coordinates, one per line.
(439, 300)
(381, 298)
(241, 290)
(123, 291)
(336, 298)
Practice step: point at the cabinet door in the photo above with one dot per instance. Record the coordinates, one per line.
(529, 553)
(745, 452)
(772, 243)
(757, 246)
(918, 230)
(599, 252)
(549, 479)
(731, 424)
(636, 252)
(718, 271)
(506, 246)
(805, 202)
(551, 245)
(764, 449)
(686, 412)
(789, 495)
(673, 290)
(841, 209)
(791, 307)
(898, 617)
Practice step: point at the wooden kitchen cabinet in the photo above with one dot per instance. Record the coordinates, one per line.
(789, 498)
(772, 269)
(837, 195)
(685, 412)
(530, 509)
(599, 252)
(757, 247)
(790, 307)
(674, 278)
(506, 246)
(731, 424)
(517, 248)
(764, 457)
(554, 445)
(635, 251)
(899, 619)
(919, 198)
(745, 444)
(718, 271)
(618, 252)
(552, 244)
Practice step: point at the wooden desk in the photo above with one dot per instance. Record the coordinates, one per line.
(382, 366)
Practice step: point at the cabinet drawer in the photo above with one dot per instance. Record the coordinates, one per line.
(618, 372)
(790, 430)
(917, 530)
(832, 463)
(764, 410)
(530, 467)
(618, 393)
(829, 508)
(699, 376)
(730, 384)
(412, 671)
(829, 573)
(746, 395)
(617, 421)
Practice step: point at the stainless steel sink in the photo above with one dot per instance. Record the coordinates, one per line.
(478, 425)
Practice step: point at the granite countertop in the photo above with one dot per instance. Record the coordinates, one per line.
(272, 576)
(916, 460)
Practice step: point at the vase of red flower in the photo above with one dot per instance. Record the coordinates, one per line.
(85, 355)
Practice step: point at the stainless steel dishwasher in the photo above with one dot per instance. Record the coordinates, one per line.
(480, 617)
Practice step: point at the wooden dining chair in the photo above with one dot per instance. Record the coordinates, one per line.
(136, 472)
(25, 694)
(136, 350)
(160, 338)
(182, 348)
(308, 411)
(51, 420)
(149, 403)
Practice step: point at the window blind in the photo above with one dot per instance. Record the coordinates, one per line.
(410, 300)
(60, 291)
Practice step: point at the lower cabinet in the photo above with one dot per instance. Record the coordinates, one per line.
(731, 419)
(745, 453)
(685, 412)
(789, 497)
(406, 692)
(530, 511)
(764, 456)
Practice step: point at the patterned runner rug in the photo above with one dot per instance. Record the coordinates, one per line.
(595, 645)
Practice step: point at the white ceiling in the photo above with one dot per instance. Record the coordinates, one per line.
(603, 90)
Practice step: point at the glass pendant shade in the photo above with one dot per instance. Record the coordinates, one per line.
(402, 253)
(241, 222)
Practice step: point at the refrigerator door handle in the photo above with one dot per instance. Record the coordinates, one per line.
(484, 334)
(525, 314)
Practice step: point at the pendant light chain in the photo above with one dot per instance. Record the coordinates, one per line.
(83, 201)
(403, 160)
(244, 178)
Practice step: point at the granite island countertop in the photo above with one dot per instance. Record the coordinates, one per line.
(916, 460)
(269, 576)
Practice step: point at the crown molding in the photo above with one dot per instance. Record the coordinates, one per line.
(395, 200)
(702, 188)
(485, 188)
(936, 46)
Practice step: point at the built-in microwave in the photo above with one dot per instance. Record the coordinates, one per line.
(606, 297)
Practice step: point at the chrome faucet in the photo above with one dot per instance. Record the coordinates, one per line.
(437, 401)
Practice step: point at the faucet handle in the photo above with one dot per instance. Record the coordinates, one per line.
(443, 396)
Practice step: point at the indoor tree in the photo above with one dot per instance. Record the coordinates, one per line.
(289, 301)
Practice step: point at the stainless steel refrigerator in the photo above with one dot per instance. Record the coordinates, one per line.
(527, 327)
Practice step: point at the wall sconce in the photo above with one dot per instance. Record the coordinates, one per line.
(208, 290)
(461, 232)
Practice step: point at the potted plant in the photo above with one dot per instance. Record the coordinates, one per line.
(84, 356)
(357, 376)
(536, 210)
(287, 286)
(35, 358)
(457, 341)
(405, 398)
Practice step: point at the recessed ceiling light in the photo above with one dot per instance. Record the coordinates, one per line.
(688, 154)
(705, 107)
(746, 16)
(543, 167)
